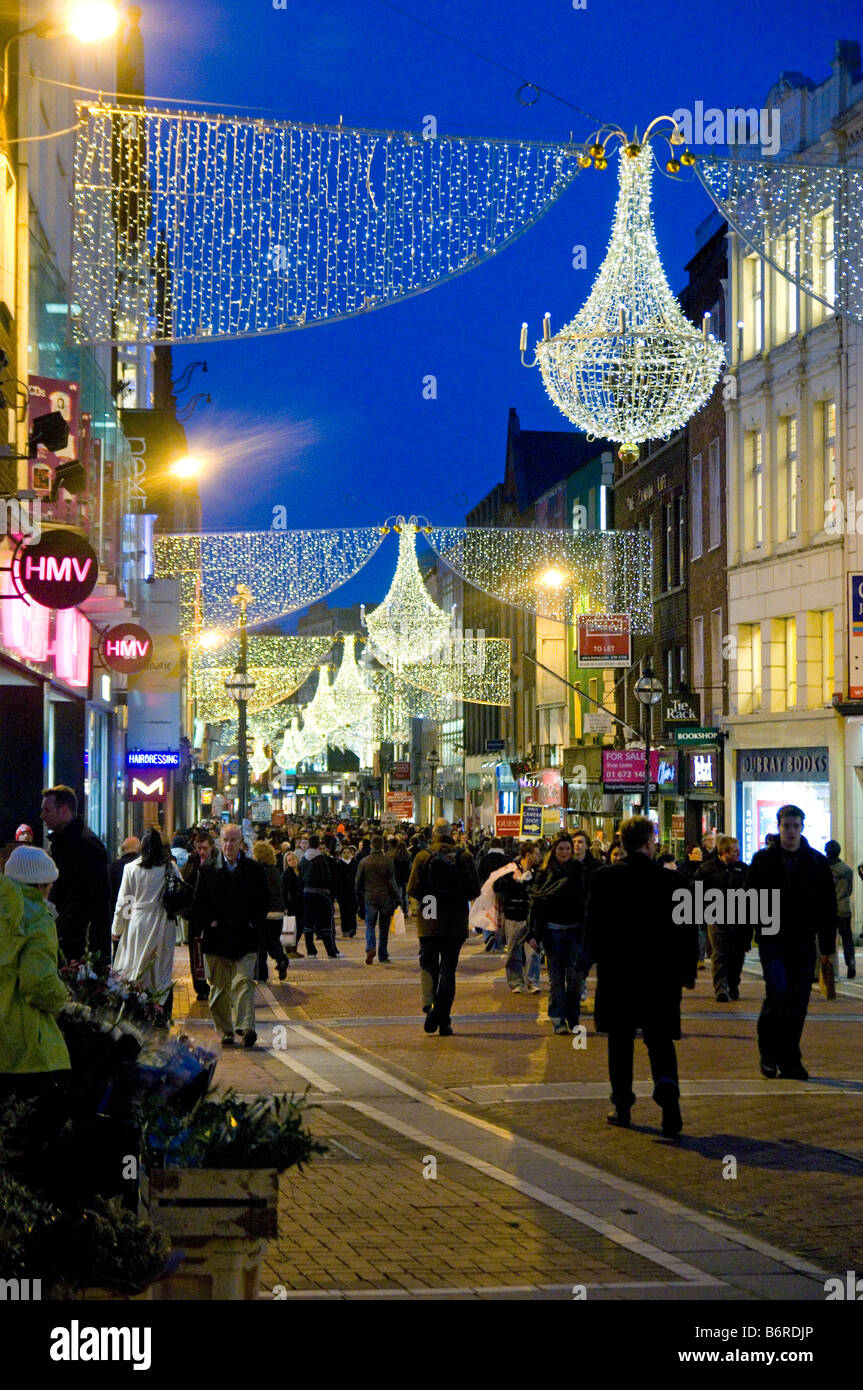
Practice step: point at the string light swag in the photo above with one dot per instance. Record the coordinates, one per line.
(262, 226)
(629, 367)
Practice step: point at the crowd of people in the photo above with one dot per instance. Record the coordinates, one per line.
(241, 898)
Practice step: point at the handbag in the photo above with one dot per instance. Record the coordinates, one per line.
(827, 979)
(177, 895)
(288, 935)
(397, 925)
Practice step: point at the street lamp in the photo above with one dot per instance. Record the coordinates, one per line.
(433, 761)
(186, 467)
(88, 21)
(241, 688)
(648, 692)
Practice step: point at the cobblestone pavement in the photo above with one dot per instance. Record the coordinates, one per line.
(481, 1165)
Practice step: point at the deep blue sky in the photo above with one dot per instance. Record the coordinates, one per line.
(361, 443)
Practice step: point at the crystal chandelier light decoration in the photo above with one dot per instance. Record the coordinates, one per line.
(630, 366)
(408, 626)
(352, 697)
(285, 756)
(261, 760)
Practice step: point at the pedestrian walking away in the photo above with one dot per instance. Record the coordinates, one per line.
(142, 930)
(843, 881)
(803, 914)
(264, 854)
(443, 882)
(729, 941)
(378, 890)
(643, 961)
(232, 901)
(317, 884)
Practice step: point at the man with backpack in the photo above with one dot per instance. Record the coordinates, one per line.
(443, 881)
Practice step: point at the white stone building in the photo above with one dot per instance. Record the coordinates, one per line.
(793, 450)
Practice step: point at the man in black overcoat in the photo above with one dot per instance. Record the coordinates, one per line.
(640, 933)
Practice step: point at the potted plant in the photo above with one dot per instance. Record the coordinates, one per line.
(210, 1182)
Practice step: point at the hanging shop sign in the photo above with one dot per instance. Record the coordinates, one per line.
(126, 648)
(72, 647)
(401, 772)
(604, 639)
(682, 709)
(59, 572)
(855, 637)
(147, 788)
(703, 771)
(507, 826)
(156, 757)
(696, 736)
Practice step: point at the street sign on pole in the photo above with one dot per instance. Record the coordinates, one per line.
(495, 745)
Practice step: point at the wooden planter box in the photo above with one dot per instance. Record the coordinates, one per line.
(221, 1219)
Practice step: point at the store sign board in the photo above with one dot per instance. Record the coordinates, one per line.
(147, 788)
(126, 647)
(400, 806)
(59, 572)
(703, 771)
(696, 736)
(153, 757)
(783, 765)
(604, 639)
(401, 772)
(531, 820)
(855, 637)
(682, 709)
(507, 826)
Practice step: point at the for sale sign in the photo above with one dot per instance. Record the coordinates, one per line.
(604, 639)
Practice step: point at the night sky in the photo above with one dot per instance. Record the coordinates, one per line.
(330, 421)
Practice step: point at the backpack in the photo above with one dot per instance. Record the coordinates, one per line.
(444, 881)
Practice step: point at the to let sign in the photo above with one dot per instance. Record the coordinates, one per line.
(604, 639)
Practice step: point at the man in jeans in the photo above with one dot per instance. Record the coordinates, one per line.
(231, 901)
(643, 959)
(443, 881)
(378, 891)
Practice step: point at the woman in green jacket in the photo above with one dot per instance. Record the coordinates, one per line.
(33, 1054)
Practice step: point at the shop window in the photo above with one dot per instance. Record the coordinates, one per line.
(695, 496)
(749, 668)
(715, 494)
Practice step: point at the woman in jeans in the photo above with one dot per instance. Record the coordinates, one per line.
(512, 891)
(557, 924)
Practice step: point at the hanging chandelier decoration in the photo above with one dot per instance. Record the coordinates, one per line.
(630, 366)
(352, 696)
(261, 760)
(408, 626)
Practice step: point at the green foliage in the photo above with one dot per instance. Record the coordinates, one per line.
(225, 1132)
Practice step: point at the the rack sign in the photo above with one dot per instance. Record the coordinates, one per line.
(604, 639)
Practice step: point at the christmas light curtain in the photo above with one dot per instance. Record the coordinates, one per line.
(190, 227)
(554, 574)
(805, 219)
(285, 570)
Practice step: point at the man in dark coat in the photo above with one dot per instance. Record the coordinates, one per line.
(81, 892)
(443, 881)
(204, 852)
(643, 958)
(729, 941)
(231, 902)
(378, 891)
(801, 878)
(494, 858)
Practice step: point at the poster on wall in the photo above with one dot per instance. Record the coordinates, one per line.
(855, 637)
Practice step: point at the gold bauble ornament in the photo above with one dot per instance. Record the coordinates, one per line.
(673, 166)
(628, 453)
(687, 157)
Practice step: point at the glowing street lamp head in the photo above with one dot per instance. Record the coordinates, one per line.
(186, 467)
(209, 640)
(91, 21)
(552, 578)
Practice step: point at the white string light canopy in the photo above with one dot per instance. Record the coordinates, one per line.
(630, 366)
(263, 226)
(805, 219)
(286, 570)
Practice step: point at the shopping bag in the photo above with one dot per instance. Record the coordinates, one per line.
(397, 925)
(288, 936)
(827, 979)
(198, 970)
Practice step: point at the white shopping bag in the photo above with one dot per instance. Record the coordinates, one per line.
(397, 925)
(288, 935)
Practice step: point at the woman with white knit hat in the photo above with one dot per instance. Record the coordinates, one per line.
(32, 1050)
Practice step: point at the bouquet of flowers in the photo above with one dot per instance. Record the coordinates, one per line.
(225, 1132)
(111, 994)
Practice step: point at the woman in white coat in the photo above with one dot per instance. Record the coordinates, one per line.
(146, 936)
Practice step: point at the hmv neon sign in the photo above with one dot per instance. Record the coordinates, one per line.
(60, 572)
(126, 648)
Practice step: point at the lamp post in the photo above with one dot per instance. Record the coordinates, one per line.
(241, 688)
(648, 692)
(433, 761)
